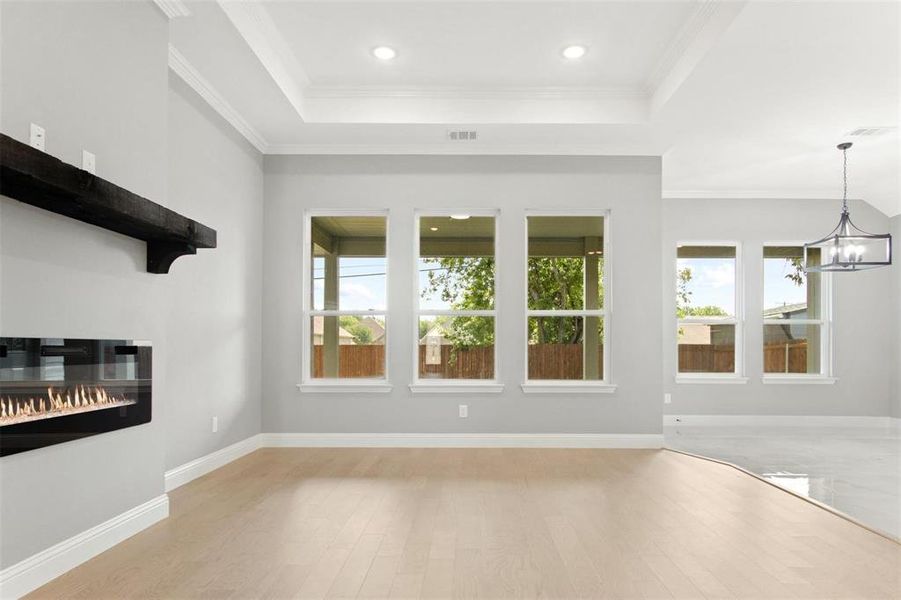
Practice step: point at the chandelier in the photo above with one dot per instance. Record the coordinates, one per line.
(848, 248)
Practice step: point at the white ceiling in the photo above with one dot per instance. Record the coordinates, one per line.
(742, 99)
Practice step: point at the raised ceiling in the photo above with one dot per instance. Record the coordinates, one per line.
(742, 99)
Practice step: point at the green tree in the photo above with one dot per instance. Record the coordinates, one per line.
(467, 283)
(353, 326)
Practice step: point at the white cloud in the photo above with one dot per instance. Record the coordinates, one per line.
(358, 296)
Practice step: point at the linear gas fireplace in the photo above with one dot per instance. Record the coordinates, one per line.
(55, 390)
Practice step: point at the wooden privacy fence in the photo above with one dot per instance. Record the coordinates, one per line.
(354, 361)
(555, 361)
(546, 361)
(786, 357)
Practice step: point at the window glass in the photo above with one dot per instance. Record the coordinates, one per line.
(705, 308)
(705, 281)
(456, 278)
(792, 312)
(348, 274)
(565, 273)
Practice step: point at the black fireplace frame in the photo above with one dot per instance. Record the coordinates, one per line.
(31, 435)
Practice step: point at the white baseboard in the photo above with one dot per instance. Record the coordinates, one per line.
(38, 569)
(462, 440)
(777, 421)
(199, 467)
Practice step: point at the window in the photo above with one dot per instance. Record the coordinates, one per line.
(455, 317)
(708, 310)
(346, 297)
(565, 308)
(795, 336)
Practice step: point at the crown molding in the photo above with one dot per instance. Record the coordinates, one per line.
(173, 8)
(695, 38)
(450, 149)
(181, 67)
(259, 31)
(450, 93)
(765, 194)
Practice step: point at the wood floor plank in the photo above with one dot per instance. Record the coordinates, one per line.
(486, 523)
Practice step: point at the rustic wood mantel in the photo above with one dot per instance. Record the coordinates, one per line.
(34, 177)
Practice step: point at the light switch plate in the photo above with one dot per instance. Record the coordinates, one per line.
(464, 411)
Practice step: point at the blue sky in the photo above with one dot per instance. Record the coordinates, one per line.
(713, 283)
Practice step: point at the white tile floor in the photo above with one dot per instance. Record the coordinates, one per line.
(856, 470)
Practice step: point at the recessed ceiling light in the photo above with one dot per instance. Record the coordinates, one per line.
(574, 52)
(384, 52)
(459, 217)
(433, 229)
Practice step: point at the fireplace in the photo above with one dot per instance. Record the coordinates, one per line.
(54, 390)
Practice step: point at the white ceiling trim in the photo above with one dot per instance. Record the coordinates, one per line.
(173, 8)
(695, 38)
(769, 194)
(453, 149)
(181, 67)
(259, 31)
(468, 93)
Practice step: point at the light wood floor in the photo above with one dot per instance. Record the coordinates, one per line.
(488, 523)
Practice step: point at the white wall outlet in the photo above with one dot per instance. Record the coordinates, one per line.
(464, 411)
(215, 424)
(37, 136)
(89, 162)
(667, 398)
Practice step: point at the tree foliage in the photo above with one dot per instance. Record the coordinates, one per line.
(353, 325)
(467, 283)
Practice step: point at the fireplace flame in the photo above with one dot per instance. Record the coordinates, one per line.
(76, 400)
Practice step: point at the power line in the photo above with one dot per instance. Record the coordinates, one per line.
(375, 274)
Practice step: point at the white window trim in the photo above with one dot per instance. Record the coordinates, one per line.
(738, 376)
(826, 374)
(339, 385)
(568, 386)
(444, 385)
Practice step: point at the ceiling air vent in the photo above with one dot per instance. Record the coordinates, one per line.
(462, 135)
(870, 131)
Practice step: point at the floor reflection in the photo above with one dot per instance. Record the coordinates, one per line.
(855, 470)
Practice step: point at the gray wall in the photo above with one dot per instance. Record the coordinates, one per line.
(864, 314)
(96, 80)
(896, 310)
(630, 187)
(99, 80)
(214, 345)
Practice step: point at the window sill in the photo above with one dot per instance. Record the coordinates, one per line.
(567, 387)
(798, 379)
(344, 387)
(456, 387)
(711, 379)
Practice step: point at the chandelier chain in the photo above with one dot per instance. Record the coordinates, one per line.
(845, 180)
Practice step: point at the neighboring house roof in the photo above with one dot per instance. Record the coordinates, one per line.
(374, 327)
(319, 327)
(438, 330)
(694, 333)
(784, 311)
